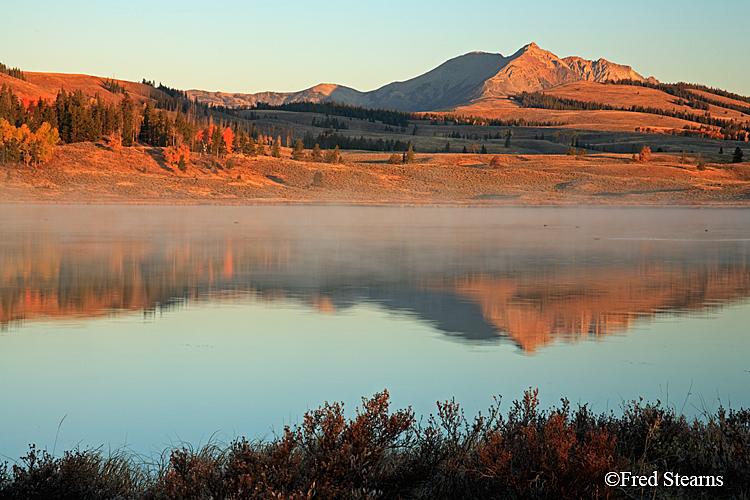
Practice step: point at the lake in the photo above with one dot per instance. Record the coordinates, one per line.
(148, 326)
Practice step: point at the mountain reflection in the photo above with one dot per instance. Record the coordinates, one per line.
(529, 284)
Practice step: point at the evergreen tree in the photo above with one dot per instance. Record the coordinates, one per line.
(147, 132)
(183, 129)
(276, 149)
(447, 147)
(218, 147)
(166, 130)
(484, 150)
(260, 149)
(409, 158)
(298, 153)
(333, 155)
(737, 156)
(249, 148)
(128, 121)
(317, 154)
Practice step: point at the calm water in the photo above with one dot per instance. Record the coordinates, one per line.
(148, 326)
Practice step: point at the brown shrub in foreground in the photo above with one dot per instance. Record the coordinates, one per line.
(530, 453)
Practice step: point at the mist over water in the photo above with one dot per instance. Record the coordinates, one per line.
(147, 325)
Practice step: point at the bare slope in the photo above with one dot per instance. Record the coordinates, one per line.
(47, 85)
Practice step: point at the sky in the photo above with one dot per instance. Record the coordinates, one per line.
(290, 45)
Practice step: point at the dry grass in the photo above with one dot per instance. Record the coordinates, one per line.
(87, 172)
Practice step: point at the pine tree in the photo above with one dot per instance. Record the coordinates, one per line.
(298, 153)
(147, 132)
(276, 149)
(737, 156)
(333, 156)
(317, 154)
(218, 146)
(128, 121)
(250, 148)
(409, 158)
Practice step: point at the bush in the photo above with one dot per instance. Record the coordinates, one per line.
(558, 453)
(645, 155)
(76, 475)
(333, 155)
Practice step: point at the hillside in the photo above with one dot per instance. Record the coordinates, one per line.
(47, 85)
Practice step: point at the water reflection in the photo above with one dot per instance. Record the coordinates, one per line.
(532, 276)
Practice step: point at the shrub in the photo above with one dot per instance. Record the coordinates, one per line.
(333, 155)
(645, 155)
(177, 155)
(379, 453)
(76, 475)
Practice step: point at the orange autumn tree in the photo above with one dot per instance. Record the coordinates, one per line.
(20, 143)
(228, 137)
(204, 137)
(177, 155)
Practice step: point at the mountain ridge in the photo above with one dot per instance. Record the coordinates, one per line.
(456, 82)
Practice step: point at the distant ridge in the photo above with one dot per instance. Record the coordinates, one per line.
(457, 82)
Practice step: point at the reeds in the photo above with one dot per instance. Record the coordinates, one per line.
(528, 453)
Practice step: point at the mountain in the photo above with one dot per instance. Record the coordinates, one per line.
(472, 77)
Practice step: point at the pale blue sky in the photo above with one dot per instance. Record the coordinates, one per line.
(287, 45)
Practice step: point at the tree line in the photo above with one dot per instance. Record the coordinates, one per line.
(446, 118)
(14, 72)
(169, 121)
(330, 139)
(386, 116)
(730, 130)
(683, 90)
